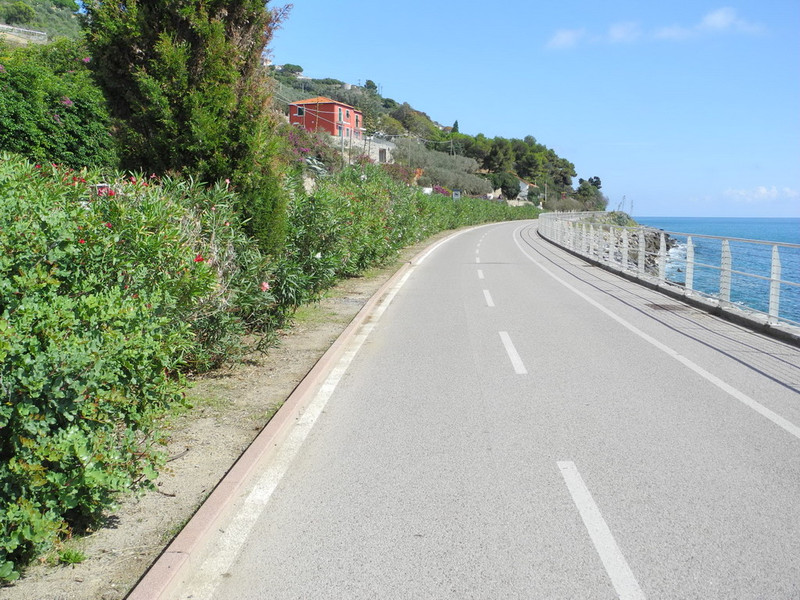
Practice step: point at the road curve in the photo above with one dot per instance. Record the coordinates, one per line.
(512, 422)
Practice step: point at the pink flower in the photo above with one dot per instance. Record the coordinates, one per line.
(264, 286)
(87, 59)
(66, 101)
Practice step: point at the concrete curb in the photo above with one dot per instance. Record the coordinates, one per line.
(188, 548)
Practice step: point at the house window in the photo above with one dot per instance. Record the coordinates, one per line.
(347, 132)
(301, 111)
(347, 114)
(340, 114)
(382, 155)
(357, 125)
(339, 130)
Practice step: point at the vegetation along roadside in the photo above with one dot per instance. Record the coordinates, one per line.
(158, 221)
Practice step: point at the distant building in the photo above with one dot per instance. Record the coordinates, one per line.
(323, 114)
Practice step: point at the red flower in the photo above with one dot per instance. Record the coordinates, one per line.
(109, 225)
(199, 258)
(81, 241)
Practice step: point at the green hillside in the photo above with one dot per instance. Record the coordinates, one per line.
(448, 157)
(57, 18)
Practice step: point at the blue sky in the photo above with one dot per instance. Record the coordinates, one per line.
(682, 108)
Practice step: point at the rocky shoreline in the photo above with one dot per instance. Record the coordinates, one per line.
(652, 246)
(610, 224)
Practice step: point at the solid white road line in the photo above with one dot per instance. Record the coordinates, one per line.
(516, 361)
(488, 297)
(725, 387)
(616, 566)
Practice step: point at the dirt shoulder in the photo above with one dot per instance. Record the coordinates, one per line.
(230, 407)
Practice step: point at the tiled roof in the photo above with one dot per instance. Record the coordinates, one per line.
(323, 100)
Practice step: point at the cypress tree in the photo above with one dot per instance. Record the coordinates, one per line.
(189, 95)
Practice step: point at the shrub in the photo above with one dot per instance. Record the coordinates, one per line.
(107, 291)
(50, 108)
(301, 145)
(359, 218)
(19, 13)
(442, 169)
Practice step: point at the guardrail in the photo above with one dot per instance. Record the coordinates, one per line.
(758, 280)
(28, 34)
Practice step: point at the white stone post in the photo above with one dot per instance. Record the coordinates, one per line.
(689, 285)
(775, 286)
(725, 274)
(662, 258)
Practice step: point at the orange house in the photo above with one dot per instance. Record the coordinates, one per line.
(321, 113)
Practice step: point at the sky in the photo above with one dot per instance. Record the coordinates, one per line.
(686, 108)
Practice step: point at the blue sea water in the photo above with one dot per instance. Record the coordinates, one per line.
(749, 258)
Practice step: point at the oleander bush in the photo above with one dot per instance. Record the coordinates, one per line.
(109, 289)
(362, 217)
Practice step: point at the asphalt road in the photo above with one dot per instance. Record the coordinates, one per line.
(519, 424)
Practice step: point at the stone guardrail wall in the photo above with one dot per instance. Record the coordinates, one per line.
(669, 261)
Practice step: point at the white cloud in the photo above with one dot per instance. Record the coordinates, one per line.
(624, 32)
(726, 19)
(721, 20)
(762, 194)
(566, 38)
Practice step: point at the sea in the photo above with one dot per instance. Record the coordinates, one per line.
(748, 292)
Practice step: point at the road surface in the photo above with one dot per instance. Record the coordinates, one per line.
(519, 424)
